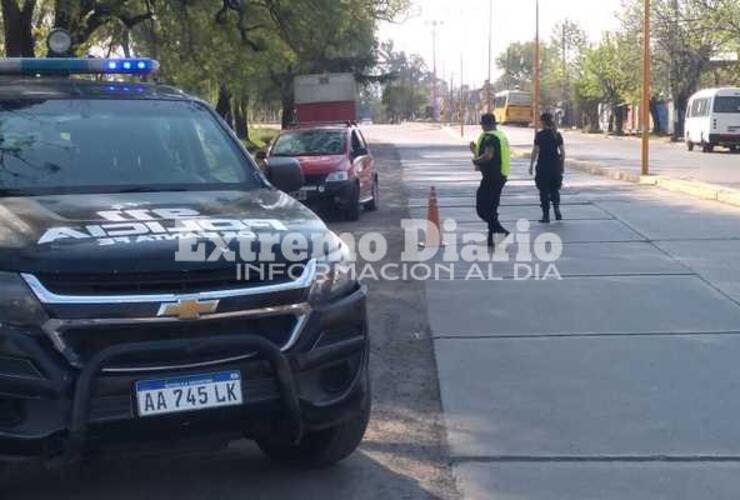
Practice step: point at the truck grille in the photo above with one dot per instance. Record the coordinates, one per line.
(163, 282)
(86, 341)
(315, 180)
(89, 314)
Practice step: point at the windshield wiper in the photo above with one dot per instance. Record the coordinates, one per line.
(151, 189)
(5, 193)
(307, 153)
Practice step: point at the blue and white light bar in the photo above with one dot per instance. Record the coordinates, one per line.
(77, 66)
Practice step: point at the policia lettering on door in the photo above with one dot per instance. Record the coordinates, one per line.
(492, 157)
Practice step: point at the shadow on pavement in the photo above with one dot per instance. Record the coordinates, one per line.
(236, 473)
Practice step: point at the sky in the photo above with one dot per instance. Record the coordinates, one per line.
(465, 29)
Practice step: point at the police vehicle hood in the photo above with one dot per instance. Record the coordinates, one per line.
(139, 232)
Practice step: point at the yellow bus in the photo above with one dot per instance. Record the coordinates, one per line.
(513, 107)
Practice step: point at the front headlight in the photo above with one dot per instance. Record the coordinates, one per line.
(339, 176)
(335, 275)
(18, 305)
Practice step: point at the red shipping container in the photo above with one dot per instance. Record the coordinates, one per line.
(324, 98)
(326, 112)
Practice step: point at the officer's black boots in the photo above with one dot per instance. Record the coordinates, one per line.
(545, 213)
(558, 214)
(499, 229)
(493, 229)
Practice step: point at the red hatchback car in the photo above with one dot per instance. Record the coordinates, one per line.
(337, 164)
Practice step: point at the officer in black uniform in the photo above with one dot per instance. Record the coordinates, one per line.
(491, 159)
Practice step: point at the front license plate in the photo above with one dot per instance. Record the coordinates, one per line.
(193, 392)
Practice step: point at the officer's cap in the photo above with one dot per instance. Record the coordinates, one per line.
(488, 120)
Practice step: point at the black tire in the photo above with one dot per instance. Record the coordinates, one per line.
(689, 145)
(352, 211)
(372, 205)
(707, 147)
(320, 448)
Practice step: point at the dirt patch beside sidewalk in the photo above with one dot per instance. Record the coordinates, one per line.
(407, 433)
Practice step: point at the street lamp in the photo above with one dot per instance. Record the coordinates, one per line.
(645, 106)
(462, 96)
(434, 24)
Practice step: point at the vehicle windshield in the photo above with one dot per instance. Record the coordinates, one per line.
(89, 145)
(310, 143)
(520, 100)
(727, 104)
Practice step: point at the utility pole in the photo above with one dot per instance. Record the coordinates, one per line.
(490, 56)
(566, 82)
(645, 106)
(435, 112)
(434, 70)
(536, 100)
(451, 98)
(462, 96)
(507, 75)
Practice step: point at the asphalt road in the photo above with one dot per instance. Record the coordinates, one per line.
(403, 455)
(720, 167)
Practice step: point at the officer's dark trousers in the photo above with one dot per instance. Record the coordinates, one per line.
(488, 200)
(548, 196)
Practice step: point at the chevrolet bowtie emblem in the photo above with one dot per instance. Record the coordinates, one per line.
(188, 309)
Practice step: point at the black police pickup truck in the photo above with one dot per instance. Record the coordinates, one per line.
(123, 319)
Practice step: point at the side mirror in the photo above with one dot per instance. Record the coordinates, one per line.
(359, 152)
(285, 174)
(261, 155)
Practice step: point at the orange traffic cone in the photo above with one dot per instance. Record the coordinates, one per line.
(433, 236)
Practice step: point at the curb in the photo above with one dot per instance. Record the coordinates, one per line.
(696, 189)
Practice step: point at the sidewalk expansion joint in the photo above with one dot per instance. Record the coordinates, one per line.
(598, 459)
(579, 335)
(599, 276)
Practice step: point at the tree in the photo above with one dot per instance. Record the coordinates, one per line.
(609, 77)
(685, 38)
(219, 55)
(326, 36)
(405, 94)
(18, 27)
(232, 52)
(518, 65)
(82, 18)
(723, 15)
(570, 41)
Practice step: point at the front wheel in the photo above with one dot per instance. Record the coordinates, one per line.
(321, 448)
(372, 205)
(352, 210)
(689, 145)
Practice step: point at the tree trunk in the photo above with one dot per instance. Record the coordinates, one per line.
(654, 113)
(618, 116)
(288, 117)
(678, 128)
(223, 105)
(18, 26)
(591, 117)
(241, 124)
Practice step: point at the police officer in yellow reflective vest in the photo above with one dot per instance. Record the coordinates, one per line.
(492, 157)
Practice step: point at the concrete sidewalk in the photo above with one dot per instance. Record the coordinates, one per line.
(620, 380)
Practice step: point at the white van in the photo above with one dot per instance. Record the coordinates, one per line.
(713, 119)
